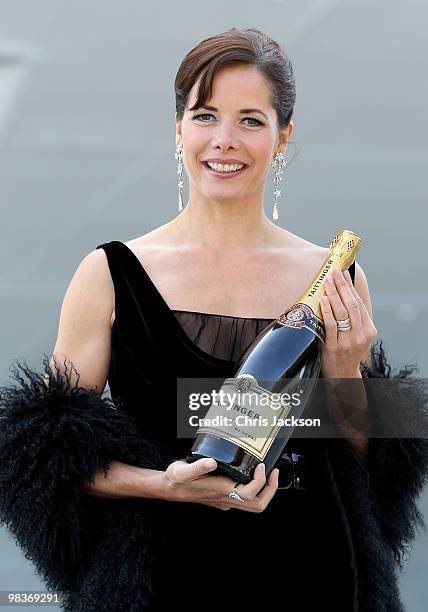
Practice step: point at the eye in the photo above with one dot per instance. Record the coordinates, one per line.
(210, 115)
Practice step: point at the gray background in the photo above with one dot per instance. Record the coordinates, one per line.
(87, 155)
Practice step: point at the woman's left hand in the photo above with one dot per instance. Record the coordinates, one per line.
(343, 351)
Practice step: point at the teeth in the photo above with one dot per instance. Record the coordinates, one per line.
(225, 167)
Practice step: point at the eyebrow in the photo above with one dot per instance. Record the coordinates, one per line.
(243, 111)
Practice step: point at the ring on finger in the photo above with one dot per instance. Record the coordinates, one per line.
(235, 495)
(344, 324)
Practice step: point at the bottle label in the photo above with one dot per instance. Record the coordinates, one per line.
(301, 315)
(247, 414)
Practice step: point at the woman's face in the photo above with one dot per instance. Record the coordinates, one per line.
(226, 133)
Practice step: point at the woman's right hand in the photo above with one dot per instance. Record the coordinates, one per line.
(192, 482)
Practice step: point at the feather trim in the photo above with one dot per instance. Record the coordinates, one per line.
(397, 467)
(53, 438)
(374, 569)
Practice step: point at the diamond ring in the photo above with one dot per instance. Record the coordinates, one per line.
(344, 324)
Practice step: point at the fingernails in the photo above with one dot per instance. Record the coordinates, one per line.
(209, 463)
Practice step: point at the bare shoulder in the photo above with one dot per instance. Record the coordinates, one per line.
(160, 249)
(304, 248)
(158, 237)
(93, 281)
(84, 330)
(95, 269)
(319, 253)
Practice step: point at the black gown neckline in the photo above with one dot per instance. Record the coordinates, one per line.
(183, 336)
(169, 312)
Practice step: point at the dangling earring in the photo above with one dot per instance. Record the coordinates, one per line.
(278, 163)
(179, 158)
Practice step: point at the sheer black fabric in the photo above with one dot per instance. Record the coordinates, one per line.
(204, 553)
(224, 336)
(221, 335)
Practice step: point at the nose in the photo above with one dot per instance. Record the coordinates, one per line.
(225, 136)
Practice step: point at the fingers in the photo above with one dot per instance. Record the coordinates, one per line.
(365, 316)
(343, 302)
(256, 494)
(249, 491)
(260, 501)
(329, 323)
(354, 292)
(270, 489)
(180, 471)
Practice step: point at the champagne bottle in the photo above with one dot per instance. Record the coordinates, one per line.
(285, 356)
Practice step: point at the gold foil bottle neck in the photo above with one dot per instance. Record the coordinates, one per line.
(343, 251)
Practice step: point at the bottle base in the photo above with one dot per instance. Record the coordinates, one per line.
(223, 469)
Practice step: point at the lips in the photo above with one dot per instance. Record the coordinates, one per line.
(223, 175)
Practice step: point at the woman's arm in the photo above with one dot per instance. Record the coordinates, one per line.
(84, 331)
(346, 396)
(394, 465)
(57, 433)
(123, 480)
(84, 336)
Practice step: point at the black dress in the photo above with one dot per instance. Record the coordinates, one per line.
(339, 544)
(295, 554)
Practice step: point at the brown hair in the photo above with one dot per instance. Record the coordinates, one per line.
(237, 46)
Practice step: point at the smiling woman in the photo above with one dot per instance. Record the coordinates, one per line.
(255, 135)
(96, 492)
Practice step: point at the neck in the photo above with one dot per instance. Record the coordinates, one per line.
(225, 226)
